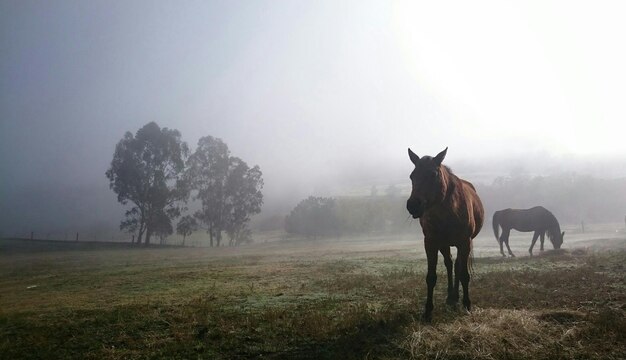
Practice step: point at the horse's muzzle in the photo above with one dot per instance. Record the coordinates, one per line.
(415, 207)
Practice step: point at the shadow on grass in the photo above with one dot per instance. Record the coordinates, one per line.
(368, 337)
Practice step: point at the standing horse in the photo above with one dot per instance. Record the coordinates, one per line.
(536, 219)
(451, 214)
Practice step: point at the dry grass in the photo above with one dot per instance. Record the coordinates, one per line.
(295, 300)
(483, 334)
(522, 334)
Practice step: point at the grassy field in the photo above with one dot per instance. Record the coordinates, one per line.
(336, 298)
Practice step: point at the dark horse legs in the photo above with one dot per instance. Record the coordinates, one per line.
(431, 280)
(462, 270)
(461, 274)
(453, 293)
(535, 236)
(504, 239)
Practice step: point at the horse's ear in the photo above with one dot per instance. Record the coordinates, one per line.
(414, 158)
(439, 158)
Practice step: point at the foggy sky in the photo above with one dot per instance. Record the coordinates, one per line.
(314, 92)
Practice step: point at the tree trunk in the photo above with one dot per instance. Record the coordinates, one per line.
(211, 237)
(148, 234)
(142, 228)
(140, 235)
(184, 236)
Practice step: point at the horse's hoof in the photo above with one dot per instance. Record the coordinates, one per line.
(512, 255)
(427, 318)
(452, 301)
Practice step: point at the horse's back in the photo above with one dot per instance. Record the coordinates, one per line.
(536, 212)
(531, 219)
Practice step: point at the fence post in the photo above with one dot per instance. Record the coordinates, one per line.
(76, 236)
(31, 235)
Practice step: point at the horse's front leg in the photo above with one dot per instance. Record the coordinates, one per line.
(431, 280)
(532, 244)
(541, 239)
(453, 295)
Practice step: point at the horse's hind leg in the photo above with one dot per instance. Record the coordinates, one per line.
(462, 269)
(457, 275)
(431, 280)
(505, 239)
(532, 244)
(453, 296)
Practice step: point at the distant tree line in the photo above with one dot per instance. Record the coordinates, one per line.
(571, 197)
(313, 217)
(325, 217)
(154, 172)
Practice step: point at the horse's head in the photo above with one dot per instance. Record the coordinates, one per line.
(429, 183)
(558, 240)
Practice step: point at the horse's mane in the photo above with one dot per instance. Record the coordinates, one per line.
(454, 189)
(554, 229)
(453, 194)
(448, 170)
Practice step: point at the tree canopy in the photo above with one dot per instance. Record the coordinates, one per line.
(147, 170)
(228, 189)
(314, 216)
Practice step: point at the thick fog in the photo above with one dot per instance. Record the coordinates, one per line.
(324, 96)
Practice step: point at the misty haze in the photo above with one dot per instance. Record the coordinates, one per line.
(231, 179)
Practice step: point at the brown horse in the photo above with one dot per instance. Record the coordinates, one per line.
(537, 219)
(451, 214)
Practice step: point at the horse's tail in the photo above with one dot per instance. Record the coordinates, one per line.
(495, 222)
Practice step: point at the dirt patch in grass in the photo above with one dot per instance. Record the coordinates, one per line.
(562, 316)
(579, 287)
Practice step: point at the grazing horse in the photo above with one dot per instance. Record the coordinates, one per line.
(451, 214)
(537, 219)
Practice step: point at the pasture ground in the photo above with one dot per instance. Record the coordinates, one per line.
(334, 298)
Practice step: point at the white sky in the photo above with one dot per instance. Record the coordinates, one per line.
(311, 91)
(550, 73)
